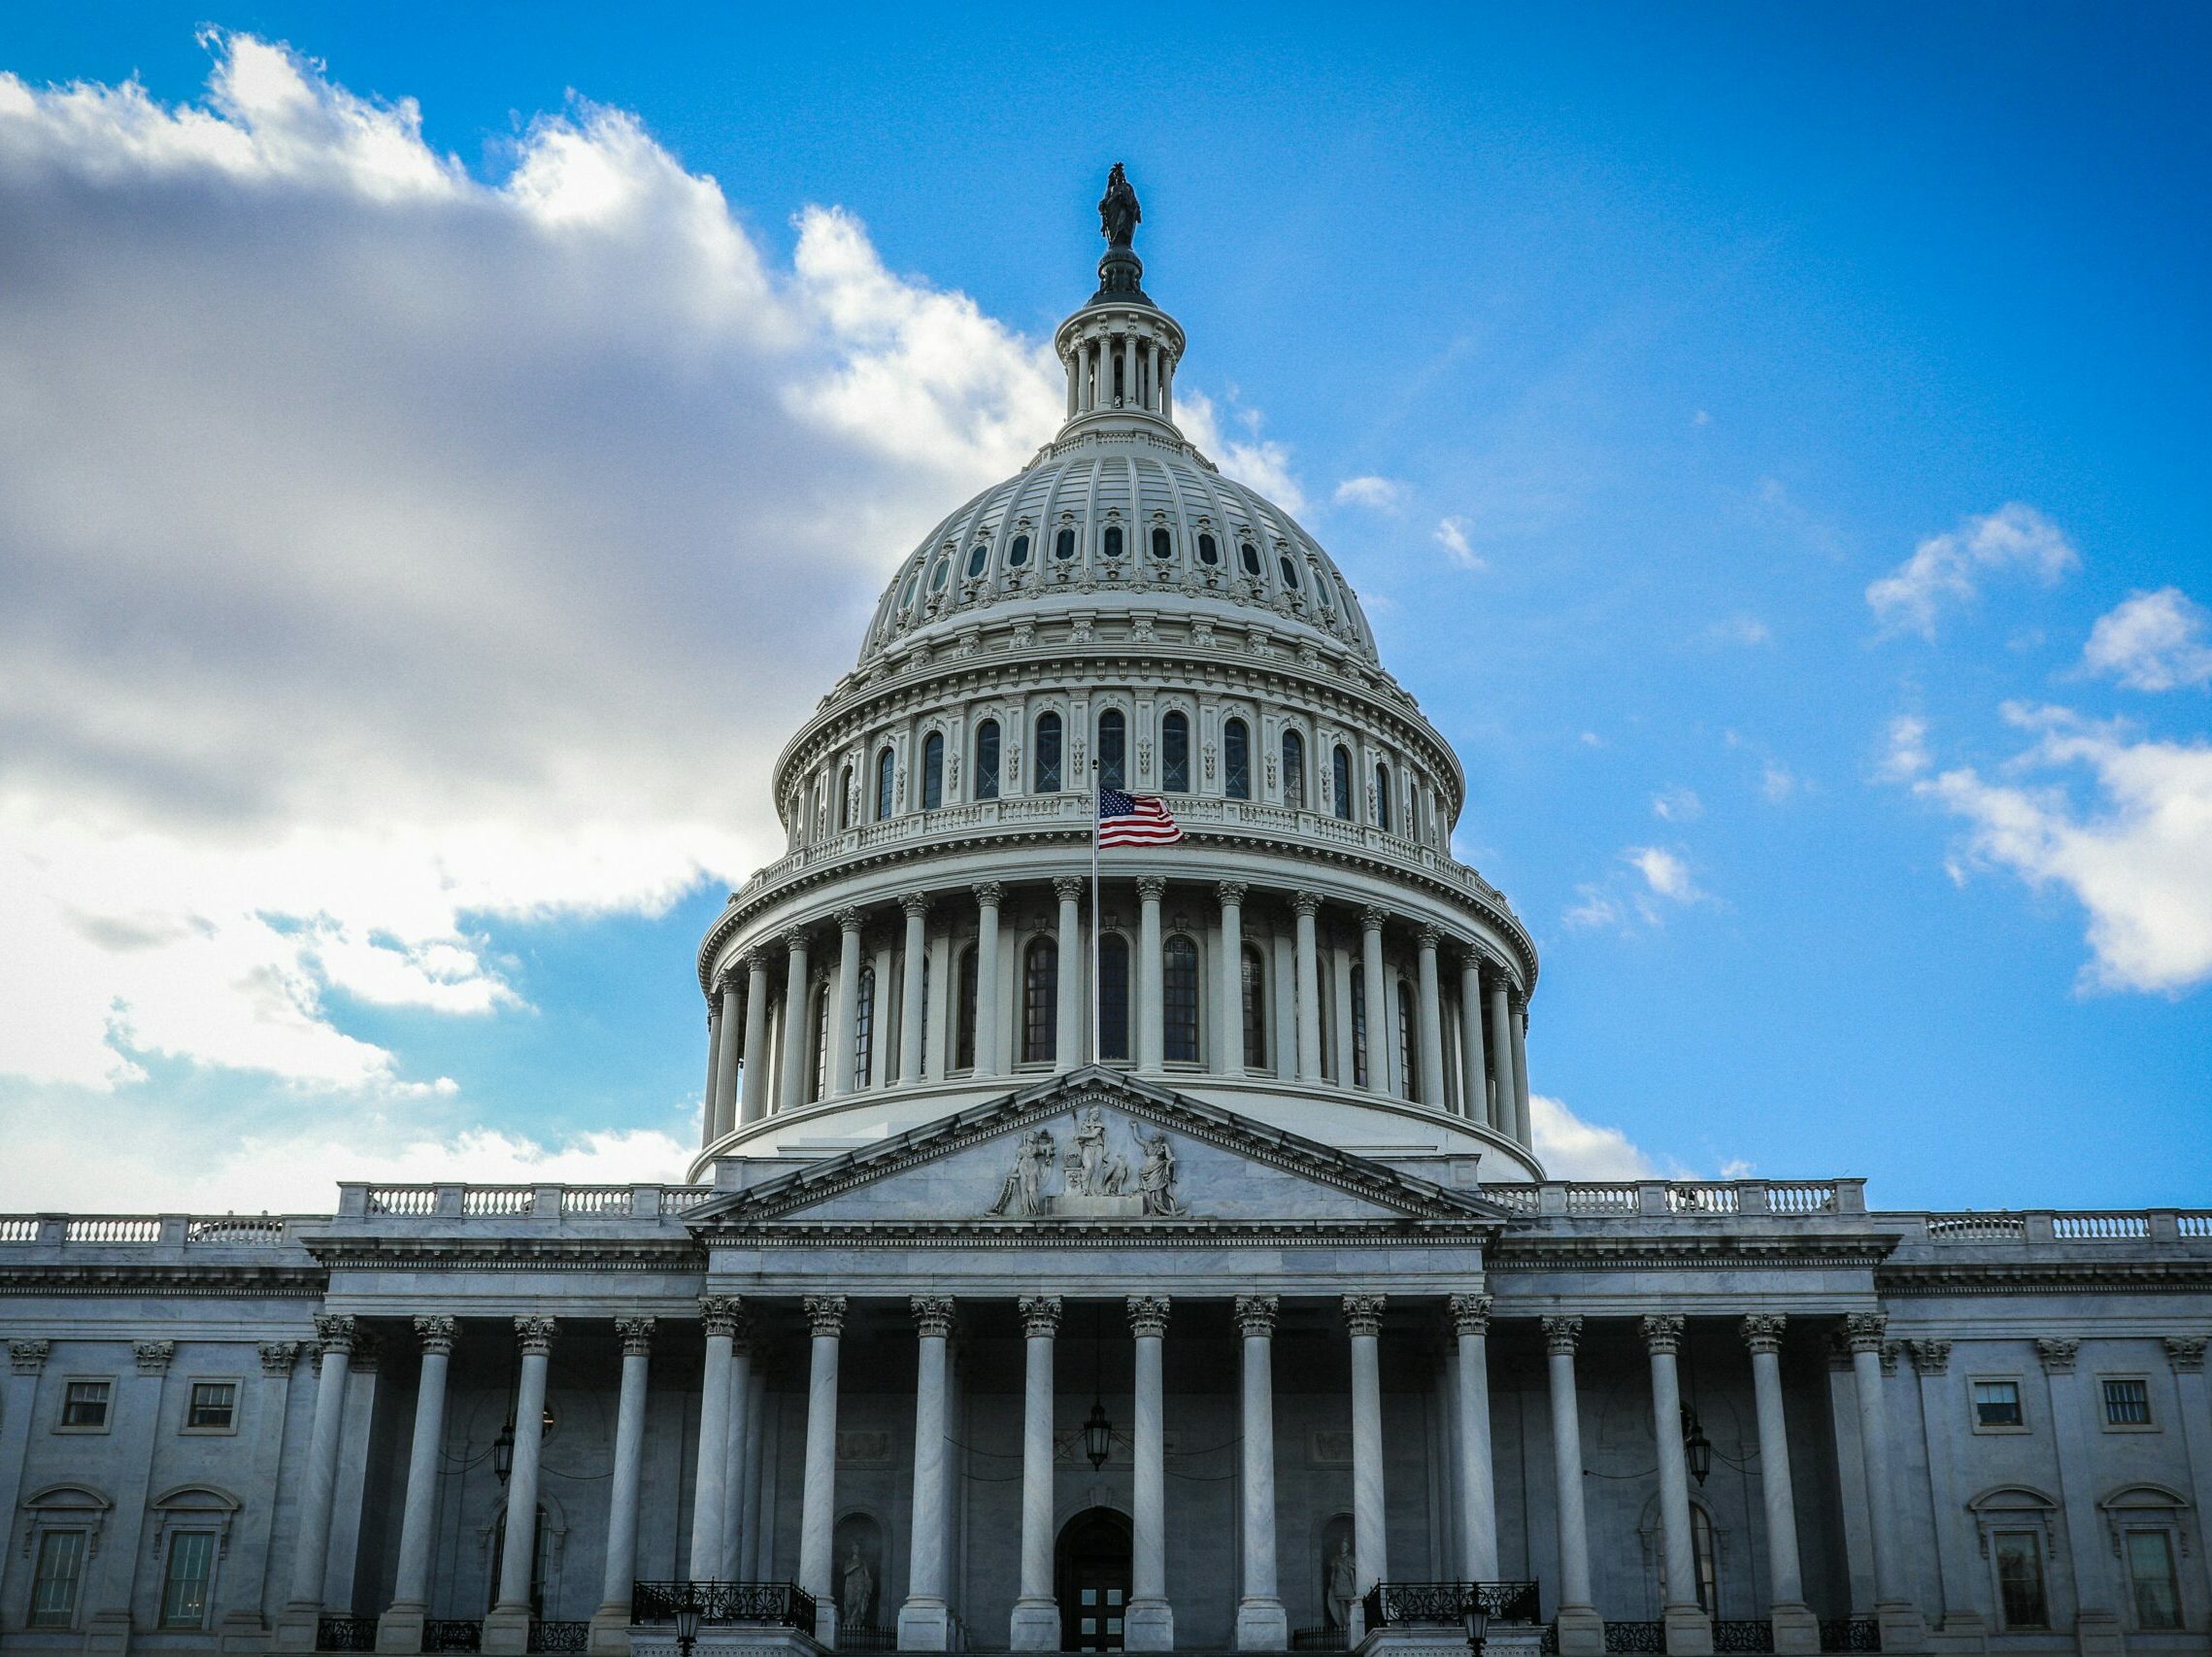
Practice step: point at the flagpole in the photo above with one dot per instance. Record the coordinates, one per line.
(1094, 811)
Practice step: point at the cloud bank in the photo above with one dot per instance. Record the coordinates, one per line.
(1948, 569)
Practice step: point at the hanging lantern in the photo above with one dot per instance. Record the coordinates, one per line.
(1696, 1448)
(1097, 1436)
(503, 1452)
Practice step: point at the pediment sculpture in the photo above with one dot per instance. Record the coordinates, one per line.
(1094, 1180)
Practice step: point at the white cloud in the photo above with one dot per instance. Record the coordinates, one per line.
(1452, 536)
(1908, 753)
(2154, 641)
(1257, 462)
(1743, 629)
(1664, 873)
(1677, 805)
(1661, 880)
(1946, 569)
(1383, 494)
(1594, 907)
(1778, 783)
(392, 551)
(2136, 857)
(1571, 1148)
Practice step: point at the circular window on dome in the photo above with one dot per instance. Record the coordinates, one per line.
(1162, 545)
(1064, 547)
(1111, 543)
(1249, 556)
(940, 575)
(976, 556)
(1290, 570)
(1018, 554)
(1207, 552)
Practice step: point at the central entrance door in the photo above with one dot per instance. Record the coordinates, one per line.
(1094, 1581)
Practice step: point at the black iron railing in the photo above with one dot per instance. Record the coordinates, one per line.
(345, 1634)
(1850, 1634)
(1393, 1602)
(863, 1638)
(782, 1604)
(560, 1637)
(452, 1634)
(1333, 1638)
(1635, 1636)
(1753, 1634)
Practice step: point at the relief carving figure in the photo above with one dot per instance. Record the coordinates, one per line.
(1155, 1181)
(855, 1590)
(1343, 1585)
(1090, 1171)
(1023, 1191)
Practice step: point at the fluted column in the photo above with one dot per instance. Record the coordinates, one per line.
(1364, 1322)
(924, 1621)
(1478, 1495)
(1474, 1098)
(1230, 1022)
(720, 1317)
(1150, 1025)
(1261, 1622)
(1518, 1030)
(1901, 1624)
(709, 1093)
(400, 1628)
(989, 894)
(737, 1457)
(334, 1339)
(1376, 1004)
(756, 1074)
(1305, 905)
(507, 1629)
(1580, 1630)
(1797, 1630)
(817, 1500)
(610, 1623)
(1687, 1630)
(1501, 1059)
(730, 1016)
(798, 1034)
(842, 1069)
(911, 1011)
(1070, 1048)
(1036, 1622)
(1150, 1625)
(1432, 1047)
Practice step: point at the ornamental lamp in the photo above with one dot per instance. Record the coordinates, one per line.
(503, 1452)
(1477, 1618)
(687, 1625)
(1097, 1436)
(1696, 1448)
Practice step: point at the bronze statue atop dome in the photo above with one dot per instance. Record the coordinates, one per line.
(1117, 212)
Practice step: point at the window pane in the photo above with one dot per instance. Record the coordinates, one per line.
(212, 1405)
(1175, 754)
(1048, 754)
(1112, 541)
(1162, 545)
(1178, 1001)
(1208, 553)
(1041, 1002)
(54, 1587)
(1996, 1403)
(976, 556)
(1289, 571)
(964, 1038)
(986, 760)
(1236, 759)
(85, 1404)
(1340, 783)
(2151, 1577)
(1382, 798)
(1294, 770)
(933, 771)
(184, 1590)
(2020, 1579)
(1113, 740)
(1254, 1014)
(1359, 1027)
(1063, 545)
(1114, 996)
(2128, 1404)
(864, 1029)
(1406, 1079)
(884, 773)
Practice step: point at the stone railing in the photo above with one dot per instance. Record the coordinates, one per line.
(559, 1203)
(1684, 1198)
(169, 1231)
(2095, 1225)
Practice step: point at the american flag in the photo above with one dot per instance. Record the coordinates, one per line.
(1134, 820)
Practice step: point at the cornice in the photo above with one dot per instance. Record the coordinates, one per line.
(202, 1282)
(1520, 1251)
(1149, 1235)
(454, 1252)
(2104, 1277)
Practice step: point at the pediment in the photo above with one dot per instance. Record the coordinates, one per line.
(1096, 1147)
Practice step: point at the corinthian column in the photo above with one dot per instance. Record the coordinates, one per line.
(817, 1506)
(1504, 1115)
(1903, 1629)
(924, 1621)
(756, 1073)
(334, 1338)
(1229, 1021)
(1363, 1321)
(1151, 1023)
(1431, 1048)
(507, 1629)
(610, 1623)
(1474, 1099)
(1068, 1046)
(1261, 1622)
(1150, 1625)
(1582, 1633)
(400, 1628)
(1518, 1031)
(1305, 905)
(1797, 1630)
(1036, 1623)
(1478, 1497)
(989, 894)
(719, 1317)
(911, 994)
(841, 1067)
(1688, 1633)
(798, 1031)
(1376, 1004)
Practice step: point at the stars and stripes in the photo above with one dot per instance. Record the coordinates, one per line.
(1134, 820)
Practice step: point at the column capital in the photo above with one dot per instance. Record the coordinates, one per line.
(2058, 1356)
(2185, 1352)
(1147, 1315)
(1305, 905)
(1371, 919)
(1762, 1330)
(277, 1356)
(437, 1333)
(1363, 1313)
(1231, 892)
(757, 960)
(1563, 1335)
(826, 1314)
(723, 1315)
(535, 1335)
(1426, 938)
(915, 903)
(1662, 1333)
(793, 939)
(1469, 1314)
(1068, 888)
(1255, 1314)
(636, 1335)
(334, 1333)
(932, 1315)
(989, 894)
(849, 919)
(1152, 888)
(1929, 1357)
(1862, 1331)
(29, 1356)
(1040, 1314)
(153, 1357)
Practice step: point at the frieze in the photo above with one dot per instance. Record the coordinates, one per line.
(1094, 1179)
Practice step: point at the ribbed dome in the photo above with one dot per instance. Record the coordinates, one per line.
(1120, 513)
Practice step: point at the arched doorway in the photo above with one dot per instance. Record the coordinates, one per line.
(1091, 1580)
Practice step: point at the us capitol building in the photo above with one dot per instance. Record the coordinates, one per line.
(1266, 1330)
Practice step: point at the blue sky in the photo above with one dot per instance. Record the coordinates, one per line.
(426, 537)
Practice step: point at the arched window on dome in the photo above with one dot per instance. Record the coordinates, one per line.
(1294, 770)
(1358, 1026)
(1179, 1001)
(1252, 990)
(941, 574)
(1209, 550)
(1340, 782)
(1236, 759)
(864, 1029)
(1110, 544)
(1162, 545)
(1040, 1002)
(933, 770)
(1045, 765)
(1113, 746)
(1018, 555)
(1175, 752)
(1383, 798)
(964, 1014)
(1247, 553)
(1113, 998)
(886, 767)
(1064, 546)
(1409, 1082)
(845, 799)
(976, 556)
(906, 593)
(1290, 568)
(986, 760)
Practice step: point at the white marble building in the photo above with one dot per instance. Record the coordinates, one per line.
(1174, 1303)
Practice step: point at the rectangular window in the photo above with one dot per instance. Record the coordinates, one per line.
(184, 1586)
(2020, 1579)
(212, 1407)
(2126, 1400)
(53, 1585)
(85, 1407)
(1996, 1406)
(2151, 1579)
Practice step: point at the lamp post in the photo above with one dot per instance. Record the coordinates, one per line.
(687, 1625)
(1477, 1618)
